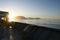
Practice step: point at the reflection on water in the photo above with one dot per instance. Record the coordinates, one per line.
(47, 23)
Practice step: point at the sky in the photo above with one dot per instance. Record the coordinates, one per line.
(32, 8)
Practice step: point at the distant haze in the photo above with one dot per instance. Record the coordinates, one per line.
(22, 17)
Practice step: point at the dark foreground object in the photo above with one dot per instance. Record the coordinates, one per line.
(23, 31)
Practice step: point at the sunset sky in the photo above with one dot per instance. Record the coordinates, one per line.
(32, 8)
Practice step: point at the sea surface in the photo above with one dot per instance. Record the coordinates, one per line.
(42, 22)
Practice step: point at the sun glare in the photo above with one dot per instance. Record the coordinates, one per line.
(11, 16)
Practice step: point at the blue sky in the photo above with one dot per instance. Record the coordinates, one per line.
(32, 8)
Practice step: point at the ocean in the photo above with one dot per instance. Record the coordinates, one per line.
(42, 22)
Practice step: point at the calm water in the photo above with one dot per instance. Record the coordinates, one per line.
(46, 23)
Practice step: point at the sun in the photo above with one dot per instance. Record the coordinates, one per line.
(11, 16)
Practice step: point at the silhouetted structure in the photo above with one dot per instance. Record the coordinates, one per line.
(3, 22)
(4, 15)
